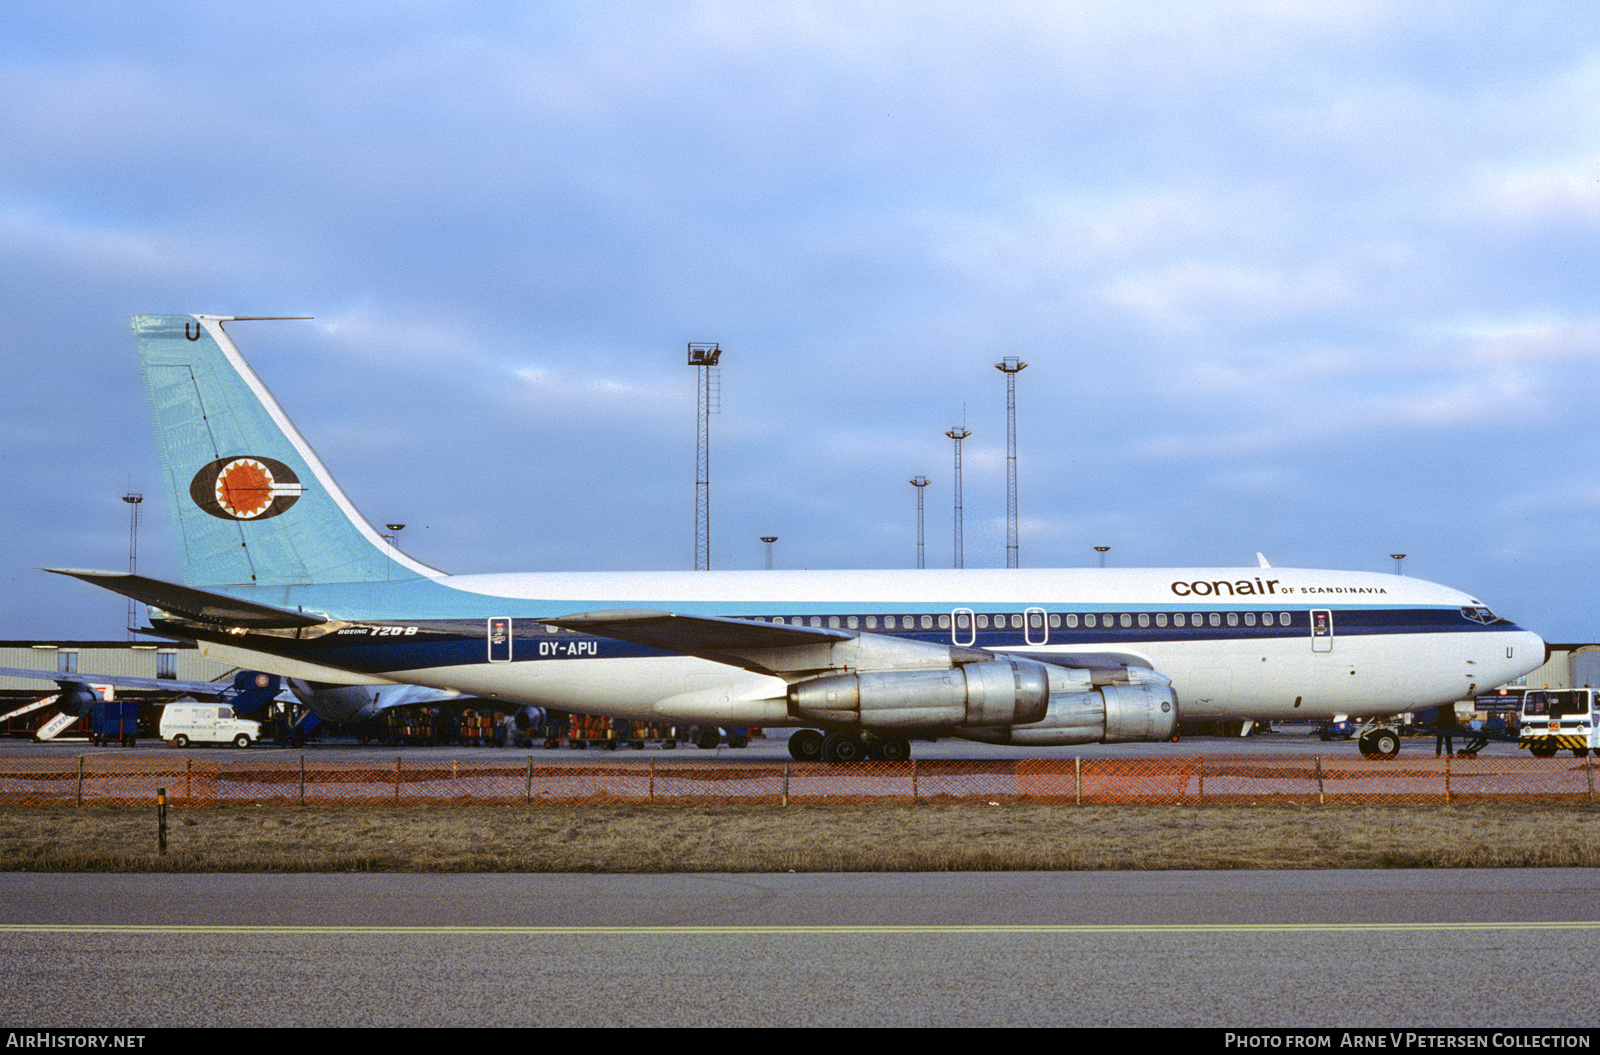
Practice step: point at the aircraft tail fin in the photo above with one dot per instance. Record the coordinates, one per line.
(252, 503)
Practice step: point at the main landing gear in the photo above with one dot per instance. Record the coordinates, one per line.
(847, 745)
(1379, 743)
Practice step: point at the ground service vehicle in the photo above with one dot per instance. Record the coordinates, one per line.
(206, 723)
(1553, 719)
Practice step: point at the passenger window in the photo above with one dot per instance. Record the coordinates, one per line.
(1125, 619)
(1088, 620)
(1266, 618)
(927, 622)
(1216, 619)
(872, 622)
(1178, 619)
(1283, 619)
(1144, 619)
(1161, 619)
(833, 622)
(1055, 621)
(1072, 620)
(944, 622)
(1249, 619)
(1233, 618)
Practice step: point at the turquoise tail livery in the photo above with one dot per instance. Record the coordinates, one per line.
(251, 502)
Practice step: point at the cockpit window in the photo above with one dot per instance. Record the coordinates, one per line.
(1479, 614)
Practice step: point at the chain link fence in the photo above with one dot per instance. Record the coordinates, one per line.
(109, 780)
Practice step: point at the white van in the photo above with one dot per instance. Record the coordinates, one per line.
(206, 723)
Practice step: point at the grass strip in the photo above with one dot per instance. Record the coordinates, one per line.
(872, 838)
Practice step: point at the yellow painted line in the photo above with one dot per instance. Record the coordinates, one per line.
(786, 929)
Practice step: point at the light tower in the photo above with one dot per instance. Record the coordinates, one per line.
(703, 357)
(133, 499)
(958, 433)
(1102, 551)
(1397, 558)
(919, 482)
(1011, 366)
(769, 540)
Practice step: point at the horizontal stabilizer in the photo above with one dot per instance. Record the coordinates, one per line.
(200, 605)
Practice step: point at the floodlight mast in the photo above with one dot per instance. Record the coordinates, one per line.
(919, 482)
(1011, 366)
(958, 433)
(703, 356)
(133, 498)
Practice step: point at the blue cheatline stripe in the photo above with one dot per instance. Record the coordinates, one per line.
(463, 642)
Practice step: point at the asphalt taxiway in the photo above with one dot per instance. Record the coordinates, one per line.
(1403, 949)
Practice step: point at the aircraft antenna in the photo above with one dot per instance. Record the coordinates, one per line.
(704, 358)
(1011, 366)
(958, 433)
(919, 482)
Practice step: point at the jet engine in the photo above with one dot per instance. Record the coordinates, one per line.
(997, 693)
(1137, 705)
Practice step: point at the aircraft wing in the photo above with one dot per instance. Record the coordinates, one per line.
(202, 605)
(780, 649)
(695, 633)
(197, 688)
(799, 652)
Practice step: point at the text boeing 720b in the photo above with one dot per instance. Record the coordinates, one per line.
(282, 574)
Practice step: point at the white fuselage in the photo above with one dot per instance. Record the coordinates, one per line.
(1261, 643)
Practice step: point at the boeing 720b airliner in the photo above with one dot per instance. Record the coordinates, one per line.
(282, 574)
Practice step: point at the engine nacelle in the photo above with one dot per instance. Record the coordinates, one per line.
(996, 693)
(1142, 709)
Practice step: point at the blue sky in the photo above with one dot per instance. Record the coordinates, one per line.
(1311, 279)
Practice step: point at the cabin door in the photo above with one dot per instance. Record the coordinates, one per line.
(1321, 630)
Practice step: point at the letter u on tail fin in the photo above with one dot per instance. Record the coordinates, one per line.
(252, 503)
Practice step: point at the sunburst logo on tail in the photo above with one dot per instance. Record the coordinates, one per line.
(245, 487)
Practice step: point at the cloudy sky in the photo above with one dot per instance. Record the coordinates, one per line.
(1310, 279)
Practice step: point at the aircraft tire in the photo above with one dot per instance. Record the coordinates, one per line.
(842, 746)
(1386, 744)
(806, 746)
(893, 750)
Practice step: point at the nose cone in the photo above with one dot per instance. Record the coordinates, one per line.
(1525, 651)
